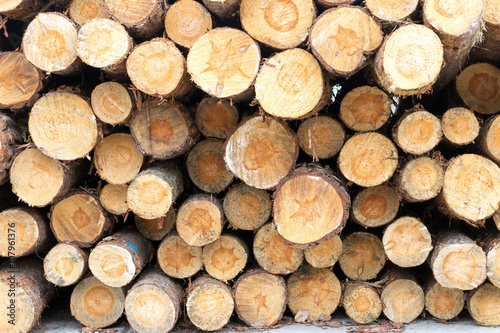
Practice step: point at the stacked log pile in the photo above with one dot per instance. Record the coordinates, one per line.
(247, 160)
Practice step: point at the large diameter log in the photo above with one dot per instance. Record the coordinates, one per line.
(24, 293)
(477, 85)
(483, 304)
(216, 117)
(361, 302)
(65, 264)
(460, 127)
(392, 11)
(283, 24)
(409, 61)
(114, 198)
(260, 298)
(20, 9)
(178, 259)
(488, 49)
(420, 179)
(225, 258)
(154, 302)
(310, 205)
(403, 300)
(112, 103)
(324, 254)
(156, 229)
(261, 151)
(441, 302)
(9, 138)
(209, 303)
(82, 11)
(375, 206)
(291, 84)
(457, 262)
(321, 137)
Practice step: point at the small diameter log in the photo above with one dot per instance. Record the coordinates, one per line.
(24, 231)
(158, 68)
(403, 300)
(471, 189)
(459, 26)
(200, 219)
(21, 81)
(225, 258)
(206, 167)
(156, 229)
(310, 206)
(9, 138)
(441, 302)
(313, 293)
(63, 126)
(20, 9)
(375, 206)
(417, 132)
(492, 250)
(209, 303)
(282, 24)
(409, 61)
(164, 131)
(342, 39)
(154, 302)
(489, 138)
(49, 43)
(65, 264)
(457, 262)
(95, 304)
(112, 103)
(291, 84)
(420, 179)
(261, 151)
(216, 117)
(118, 258)
(260, 298)
(460, 127)
(321, 136)
(361, 302)
(324, 254)
(488, 49)
(483, 304)
(273, 253)
(117, 159)
(114, 198)
(151, 194)
(246, 207)
(478, 87)
(223, 8)
(392, 11)
(32, 294)
(224, 62)
(178, 259)
(186, 21)
(407, 242)
(363, 256)
(80, 219)
(368, 159)
(365, 109)
(82, 11)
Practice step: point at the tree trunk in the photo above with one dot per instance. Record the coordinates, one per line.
(460, 127)
(392, 11)
(361, 302)
(441, 302)
(178, 259)
(156, 229)
(9, 138)
(65, 264)
(215, 117)
(483, 304)
(112, 103)
(114, 198)
(375, 206)
(321, 137)
(82, 11)
(223, 8)
(324, 254)
(225, 258)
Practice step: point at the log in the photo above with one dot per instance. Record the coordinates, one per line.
(272, 252)
(246, 207)
(291, 84)
(224, 62)
(80, 219)
(368, 159)
(321, 137)
(403, 300)
(317, 291)
(154, 302)
(407, 242)
(209, 303)
(310, 205)
(492, 247)
(282, 24)
(460, 127)
(186, 21)
(483, 304)
(151, 194)
(223, 8)
(9, 138)
(63, 126)
(112, 103)
(260, 298)
(409, 61)
(95, 304)
(392, 11)
(31, 294)
(441, 302)
(343, 38)
(457, 262)
(49, 43)
(361, 302)
(487, 50)
(118, 259)
(225, 258)
(200, 219)
(117, 159)
(365, 109)
(82, 11)
(178, 259)
(156, 229)
(489, 140)
(216, 117)
(324, 254)
(65, 264)
(164, 130)
(206, 167)
(25, 231)
(477, 85)
(261, 151)
(375, 206)
(333, 3)
(113, 198)
(20, 9)
(362, 257)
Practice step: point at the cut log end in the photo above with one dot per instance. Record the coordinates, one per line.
(225, 258)
(489, 138)
(156, 229)
(178, 259)
(420, 179)
(392, 11)
(114, 198)
(484, 304)
(321, 136)
(375, 206)
(460, 126)
(82, 11)
(223, 8)
(403, 300)
(361, 303)
(65, 264)
(142, 18)
(443, 303)
(492, 249)
(324, 254)
(478, 86)
(216, 118)
(453, 19)
(111, 103)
